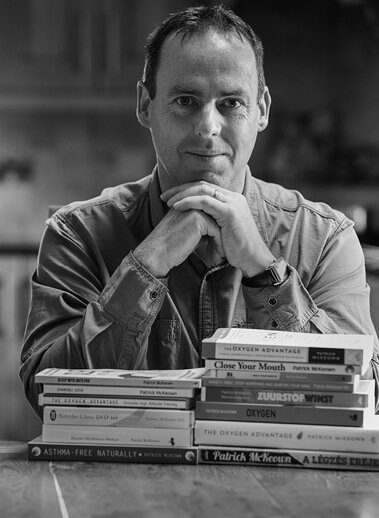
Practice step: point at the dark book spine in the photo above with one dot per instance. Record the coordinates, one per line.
(99, 453)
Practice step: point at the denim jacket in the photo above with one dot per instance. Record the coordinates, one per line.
(94, 306)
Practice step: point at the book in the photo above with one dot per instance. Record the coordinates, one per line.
(113, 401)
(286, 382)
(333, 416)
(182, 378)
(261, 344)
(39, 450)
(292, 436)
(117, 435)
(124, 417)
(105, 390)
(270, 368)
(282, 458)
(362, 398)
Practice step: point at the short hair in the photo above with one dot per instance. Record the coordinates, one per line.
(194, 20)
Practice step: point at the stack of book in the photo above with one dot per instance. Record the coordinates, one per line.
(117, 415)
(287, 399)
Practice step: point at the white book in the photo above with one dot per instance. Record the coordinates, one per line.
(263, 369)
(180, 378)
(112, 401)
(123, 417)
(289, 436)
(104, 390)
(117, 435)
(261, 344)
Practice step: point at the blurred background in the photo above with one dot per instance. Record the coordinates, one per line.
(68, 70)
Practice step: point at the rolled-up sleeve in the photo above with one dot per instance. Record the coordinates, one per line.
(335, 300)
(79, 318)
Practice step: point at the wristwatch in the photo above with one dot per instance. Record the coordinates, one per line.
(274, 275)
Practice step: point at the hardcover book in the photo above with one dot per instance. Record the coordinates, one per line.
(260, 344)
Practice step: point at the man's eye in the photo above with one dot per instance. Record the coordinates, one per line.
(231, 103)
(184, 100)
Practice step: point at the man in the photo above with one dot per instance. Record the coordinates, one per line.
(137, 277)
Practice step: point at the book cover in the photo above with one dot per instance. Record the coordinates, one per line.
(332, 416)
(181, 378)
(285, 382)
(272, 368)
(178, 404)
(107, 390)
(117, 435)
(39, 450)
(282, 458)
(363, 397)
(292, 436)
(260, 344)
(124, 417)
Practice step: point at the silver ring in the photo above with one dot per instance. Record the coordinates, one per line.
(215, 194)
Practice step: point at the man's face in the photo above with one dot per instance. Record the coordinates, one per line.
(205, 116)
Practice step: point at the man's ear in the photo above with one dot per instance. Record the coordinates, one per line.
(143, 105)
(264, 105)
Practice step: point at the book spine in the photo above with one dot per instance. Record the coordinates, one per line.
(289, 458)
(95, 390)
(280, 376)
(127, 381)
(279, 414)
(271, 352)
(264, 368)
(117, 435)
(291, 436)
(138, 418)
(99, 453)
(299, 385)
(176, 404)
(248, 395)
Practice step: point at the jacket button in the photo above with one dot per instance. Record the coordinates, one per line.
(153, 294)
(274, 324)
(272, 301)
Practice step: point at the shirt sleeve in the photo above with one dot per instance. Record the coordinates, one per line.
(78, 319)
(336, 300)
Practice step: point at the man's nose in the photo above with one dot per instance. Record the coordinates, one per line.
(208, 121)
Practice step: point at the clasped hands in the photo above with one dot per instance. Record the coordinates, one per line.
(200, 209)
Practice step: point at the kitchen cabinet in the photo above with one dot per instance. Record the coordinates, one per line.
(18, 421)
(74, 53)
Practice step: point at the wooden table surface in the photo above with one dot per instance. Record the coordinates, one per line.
(42, 489)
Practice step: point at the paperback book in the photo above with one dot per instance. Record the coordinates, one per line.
(118, 435)
(297, 382)
(101, 390)
(265, 345)
(295, 436)
(113, 401)
(40, 450)
(282, 458)
(182, 378)
(268, 368)
(123, 417)
(333, 416)
(362, 398)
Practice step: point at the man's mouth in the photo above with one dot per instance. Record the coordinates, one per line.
(205, 154)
